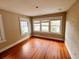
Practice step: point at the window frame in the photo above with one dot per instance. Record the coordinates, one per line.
(25, 20)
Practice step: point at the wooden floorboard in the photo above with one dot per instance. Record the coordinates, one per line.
(37, 48)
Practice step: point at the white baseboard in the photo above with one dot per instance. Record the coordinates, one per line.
(48, 37)
(7, 47)
(68, 49)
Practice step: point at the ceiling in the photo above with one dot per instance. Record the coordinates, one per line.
(28, 7)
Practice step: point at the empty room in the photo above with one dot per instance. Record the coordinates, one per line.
(39, 29)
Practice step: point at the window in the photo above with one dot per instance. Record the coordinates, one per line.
(24, 26)
(55, 26)
(45, 26)
(51, 25)
(2, 33)
(36, 25)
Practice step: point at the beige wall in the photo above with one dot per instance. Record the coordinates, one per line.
(52, 35)
(72, 31)
(11, 27)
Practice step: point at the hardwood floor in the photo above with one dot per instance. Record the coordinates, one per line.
(37, 48)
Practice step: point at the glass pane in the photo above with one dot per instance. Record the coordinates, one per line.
(24, 27)
(45, 23)
(36, 24)
(45, 29)
(45, 26)
(55, 22)
(55, 26)
(36, 27)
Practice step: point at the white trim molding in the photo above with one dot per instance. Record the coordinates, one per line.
(66, 44)
(51, 38)
(14, 44)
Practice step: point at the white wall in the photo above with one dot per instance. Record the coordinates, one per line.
(11, 22)
(72, 31)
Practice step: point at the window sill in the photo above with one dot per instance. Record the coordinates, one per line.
(49, 33)
(2, 41)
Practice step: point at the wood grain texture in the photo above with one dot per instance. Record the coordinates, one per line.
(37, 48)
